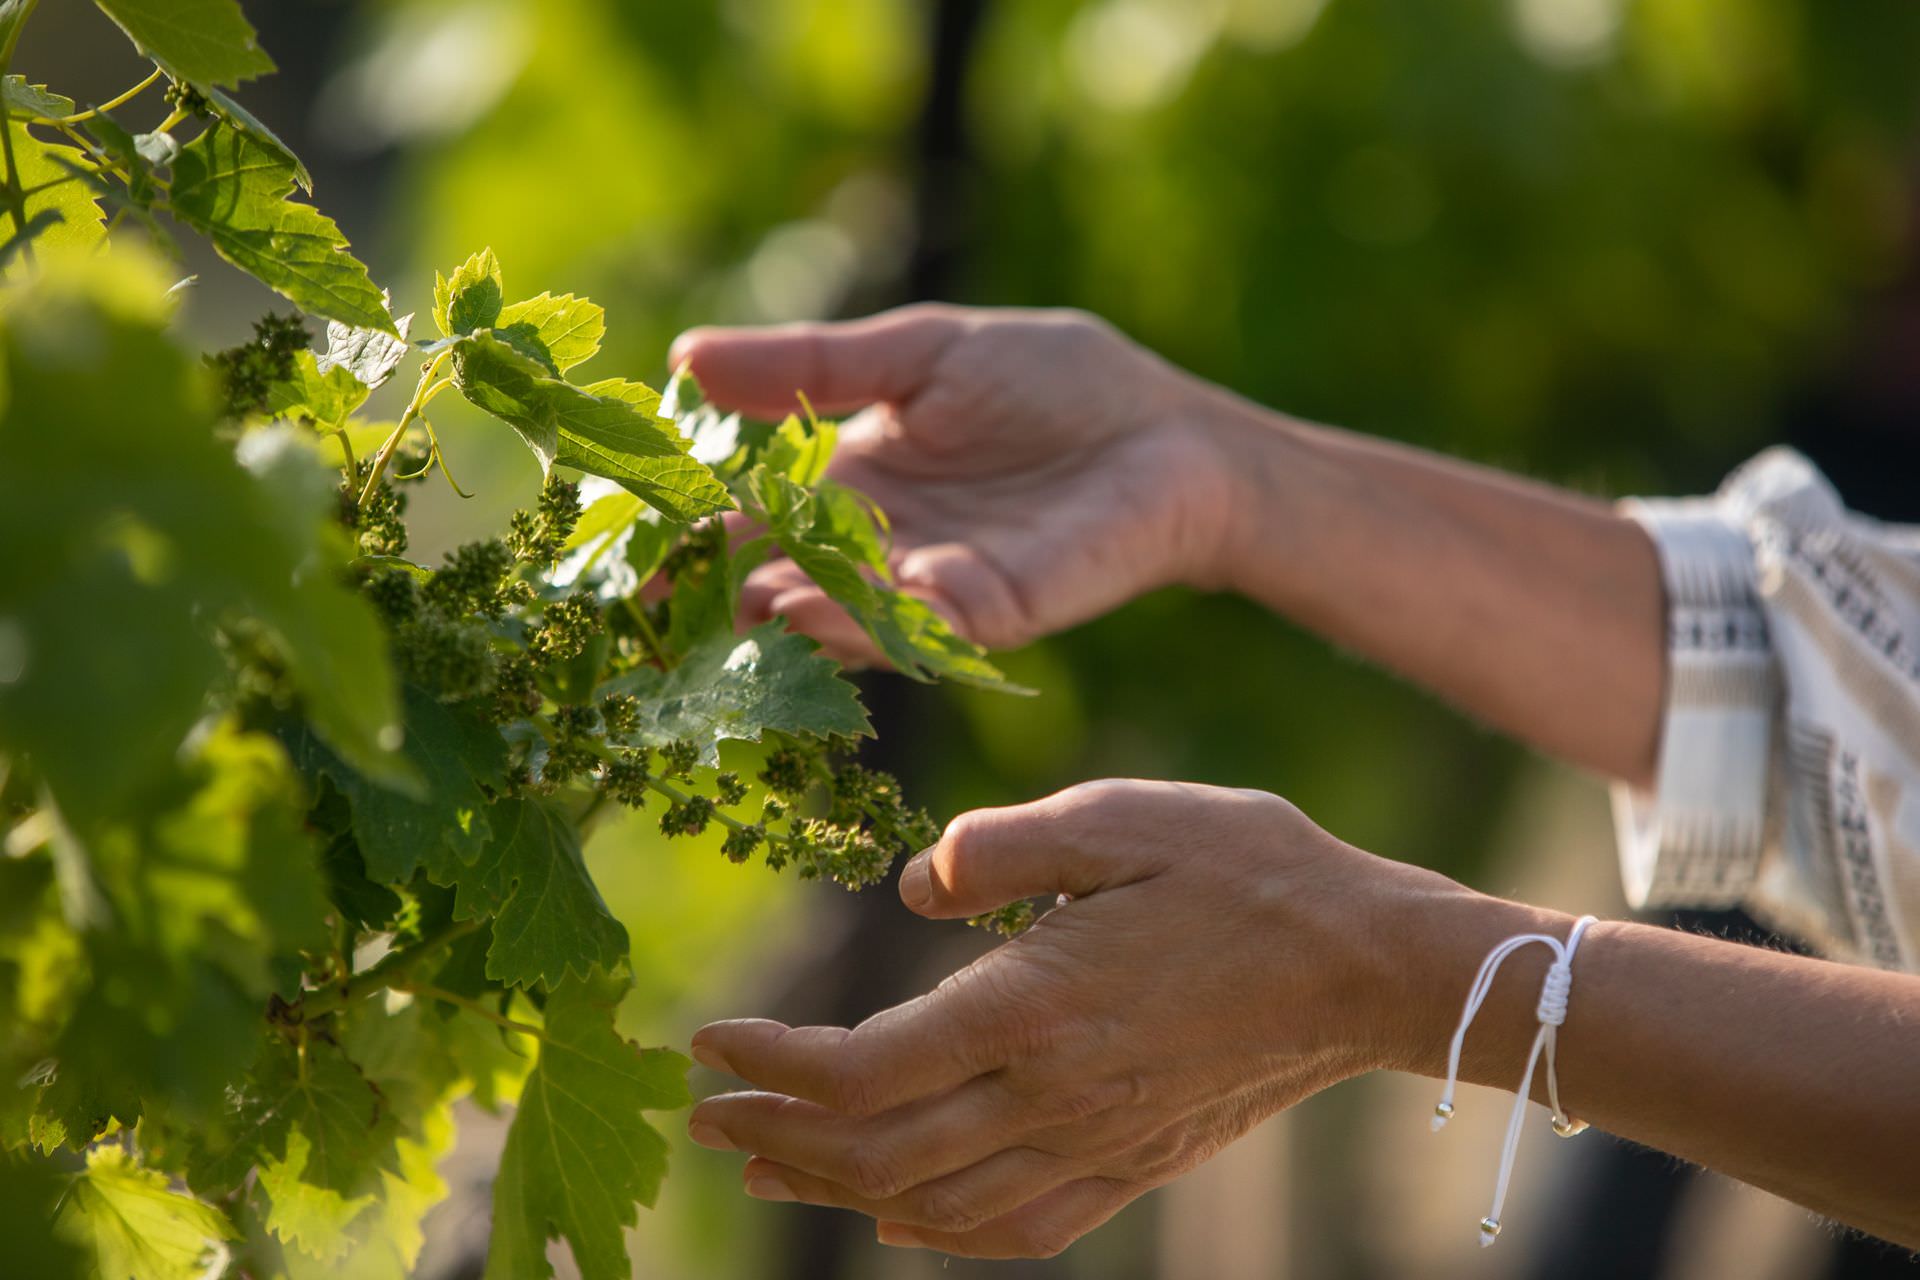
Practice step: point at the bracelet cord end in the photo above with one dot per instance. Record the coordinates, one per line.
(1551, 1013)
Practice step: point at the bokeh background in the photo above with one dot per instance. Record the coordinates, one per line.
(1617, 244)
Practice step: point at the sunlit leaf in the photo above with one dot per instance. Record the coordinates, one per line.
(207, 41)
(472, 299)
(234, 190)
(739, 687)
(135, 1225)
(601, 434)
(579, 1156)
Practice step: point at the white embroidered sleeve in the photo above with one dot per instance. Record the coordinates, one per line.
(1696, 839)
(1789, 774)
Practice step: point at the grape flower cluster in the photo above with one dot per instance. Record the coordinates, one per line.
(489, 630)
(246, 374)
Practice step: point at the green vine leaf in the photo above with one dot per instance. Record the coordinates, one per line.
(134, 1224)
(548, 917)
(33, 99)
(845, 561)
(383, 1241)
(251, 125)
(800, 451)
(327, 397)
(204, 41)
(560, 332)
(472, 299)
(371, 355)
(739, 687)
(64, 207)
(579, 1156)
(446, 825)
(233, 190)
(320, 1135)
(587, 429)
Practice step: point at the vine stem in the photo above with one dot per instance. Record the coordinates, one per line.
(439, 455)
(430, 992)
(106, 106)
(720, 816)
(88, 149)
(385, 456)
(394, 971)
(16, 198)
(346, 451)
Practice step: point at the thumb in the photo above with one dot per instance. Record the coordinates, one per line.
(1067, 843)
(840, 367)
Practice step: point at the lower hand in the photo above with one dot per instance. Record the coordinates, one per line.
(1218, 961)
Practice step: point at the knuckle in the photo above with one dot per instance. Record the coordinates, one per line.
(1096, 791)
(1163, 1151)
(947, 1208)
(962, 838)
(1071, 1106)
(874, 1171)
(937, 312)
(1078, 1104)
(1080, 326)
(1048, 1239)
(1105, 1141)
(1093, 810)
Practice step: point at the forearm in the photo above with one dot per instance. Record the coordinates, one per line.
(1796, 1075)
(1537, 611)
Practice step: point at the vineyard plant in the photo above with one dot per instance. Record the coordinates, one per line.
(292, 823)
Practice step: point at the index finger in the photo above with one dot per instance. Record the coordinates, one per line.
(924, 1047)
(840, 366)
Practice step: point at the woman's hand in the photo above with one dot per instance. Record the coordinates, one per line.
(1038, 468)
(1219, 960)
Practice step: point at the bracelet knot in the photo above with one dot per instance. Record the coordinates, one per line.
(1552, 1010)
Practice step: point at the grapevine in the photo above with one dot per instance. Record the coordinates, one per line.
(292, 822)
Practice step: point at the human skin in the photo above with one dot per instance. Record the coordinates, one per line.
(1040, 470)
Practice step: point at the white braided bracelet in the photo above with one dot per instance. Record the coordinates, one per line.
(1551, 1012)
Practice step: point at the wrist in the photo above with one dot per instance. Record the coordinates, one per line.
(1428, 940)
(1252, 491)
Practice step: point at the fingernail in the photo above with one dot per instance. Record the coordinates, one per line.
(916, 880)
(708, 1136)
(898, 1236)
(708, 1056)
(764, 1186)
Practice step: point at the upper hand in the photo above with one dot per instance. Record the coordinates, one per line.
(1214, 965)
(1038, 468)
